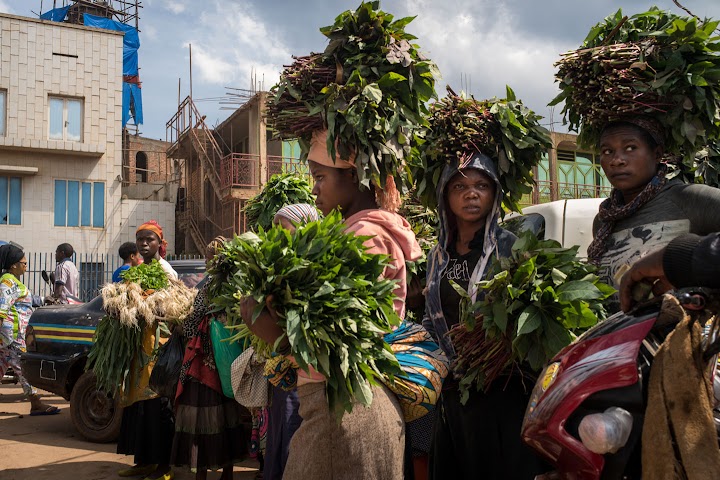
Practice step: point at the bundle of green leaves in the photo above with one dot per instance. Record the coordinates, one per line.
(327, 291)
(282, 189)
(150, 276)
(369, 89)
(535, 303)
(503, 129)
(654, 63)
(114, 347)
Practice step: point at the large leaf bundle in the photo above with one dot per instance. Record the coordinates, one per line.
(282, 189)
(131, 307)
(326, 289)
(368, 88)
(535, 302)
(503, 129)
(654, 63)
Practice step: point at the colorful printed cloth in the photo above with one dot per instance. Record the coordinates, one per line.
(15, 310)
(424, 366)
(258, 437)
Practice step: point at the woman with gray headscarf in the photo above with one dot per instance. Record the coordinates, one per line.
(16, 306)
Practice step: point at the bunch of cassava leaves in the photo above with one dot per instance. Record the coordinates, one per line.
(282, 189)
(369, 88)
(654, 63)
(535, 302)
(327, 291)
(503, 129)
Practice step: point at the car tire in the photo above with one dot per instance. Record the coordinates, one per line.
(96, 415)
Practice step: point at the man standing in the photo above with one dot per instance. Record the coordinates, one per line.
(67, 278)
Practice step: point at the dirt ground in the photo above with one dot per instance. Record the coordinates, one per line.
(49, 448)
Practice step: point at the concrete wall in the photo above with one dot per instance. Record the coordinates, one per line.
(137, 212)
(43, 58)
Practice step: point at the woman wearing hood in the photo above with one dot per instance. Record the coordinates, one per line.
(369, 443)
(482, 436)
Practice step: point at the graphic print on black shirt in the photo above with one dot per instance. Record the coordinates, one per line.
(459, 269)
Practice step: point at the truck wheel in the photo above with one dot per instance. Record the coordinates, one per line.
(95, 414)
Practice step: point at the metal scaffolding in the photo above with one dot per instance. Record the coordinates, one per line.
(125, 11)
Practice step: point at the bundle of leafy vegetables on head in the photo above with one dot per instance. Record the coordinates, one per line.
(282, 189)
(369, 89)
(536, 302)
(327, 291)
(503, 129)
(654, 63)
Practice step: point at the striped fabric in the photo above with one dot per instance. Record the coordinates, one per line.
(424, 367)
(299, 213)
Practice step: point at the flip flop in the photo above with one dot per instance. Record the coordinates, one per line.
(51, 410)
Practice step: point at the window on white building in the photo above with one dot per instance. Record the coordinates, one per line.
(79, 204)
(3, 111)
(10, 200)
(66, 116)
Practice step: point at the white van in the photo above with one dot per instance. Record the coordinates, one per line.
(567, 221)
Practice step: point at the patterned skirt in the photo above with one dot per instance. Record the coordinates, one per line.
(211, 430)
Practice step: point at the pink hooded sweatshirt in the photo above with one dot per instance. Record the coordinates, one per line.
(391, 235)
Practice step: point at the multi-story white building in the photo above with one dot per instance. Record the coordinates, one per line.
(61, 173)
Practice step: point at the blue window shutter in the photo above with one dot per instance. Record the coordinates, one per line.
(15, 217)
(86, 205)
(3, 200)
(73, 204)
(60, 204)
(99, 204)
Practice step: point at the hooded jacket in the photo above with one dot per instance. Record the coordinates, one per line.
(496, 242)
(392, 235)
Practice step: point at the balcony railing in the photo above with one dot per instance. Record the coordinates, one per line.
(244, 170)
(546, 191)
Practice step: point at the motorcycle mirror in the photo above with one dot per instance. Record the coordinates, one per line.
(45, 276)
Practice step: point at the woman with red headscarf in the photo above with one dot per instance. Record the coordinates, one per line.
(148, 426)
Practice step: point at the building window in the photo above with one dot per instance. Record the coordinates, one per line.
(3, 111)
(79, 204)
(10, 200)
(66, 119)
(141, 167)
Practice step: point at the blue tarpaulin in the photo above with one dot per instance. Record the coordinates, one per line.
(132, 97)
(56, 14)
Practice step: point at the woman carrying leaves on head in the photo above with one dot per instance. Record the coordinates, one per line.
(368, 442)
(638, 111)
(147, 427)
(212, 431)
(466, 150)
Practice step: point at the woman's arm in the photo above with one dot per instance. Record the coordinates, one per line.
(265, 325)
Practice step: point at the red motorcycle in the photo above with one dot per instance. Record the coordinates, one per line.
(603, 376)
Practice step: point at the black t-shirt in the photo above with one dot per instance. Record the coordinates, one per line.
(459, 269)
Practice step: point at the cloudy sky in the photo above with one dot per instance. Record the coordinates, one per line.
(479, 44)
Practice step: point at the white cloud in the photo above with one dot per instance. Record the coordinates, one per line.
(226, 47)
(480, 40)
(175, 6)
(4, 7)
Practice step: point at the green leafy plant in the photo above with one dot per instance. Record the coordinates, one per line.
(503, 129)
(654, 63)
(535, 302)
(326, 289)
(114, 347)
(707, 164)
(369, 89)
(282, 189)
(150, 276)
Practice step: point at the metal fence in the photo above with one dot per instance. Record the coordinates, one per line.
(95, 270)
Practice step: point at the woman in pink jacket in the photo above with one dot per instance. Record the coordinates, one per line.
(369, 443)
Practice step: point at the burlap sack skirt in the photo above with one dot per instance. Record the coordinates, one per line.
(368, 444)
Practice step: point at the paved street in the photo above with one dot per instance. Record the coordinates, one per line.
(49, 448)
